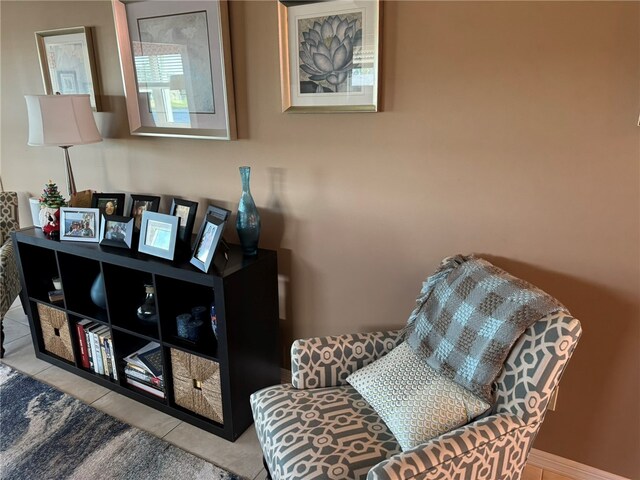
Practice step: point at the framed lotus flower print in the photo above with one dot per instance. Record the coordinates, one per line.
(329, 55)
(176, 66)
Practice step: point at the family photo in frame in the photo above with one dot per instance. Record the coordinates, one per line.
(79, 224)
(116, 231)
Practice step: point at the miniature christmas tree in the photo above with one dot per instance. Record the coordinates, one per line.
(51, 197)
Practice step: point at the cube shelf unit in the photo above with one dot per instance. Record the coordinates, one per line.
(243, 289)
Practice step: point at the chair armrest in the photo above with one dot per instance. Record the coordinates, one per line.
(328, 361)
(9, 278)
(494, 447)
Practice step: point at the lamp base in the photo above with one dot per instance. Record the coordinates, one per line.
(71, 184)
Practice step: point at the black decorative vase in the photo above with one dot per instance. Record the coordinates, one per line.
(97, 293)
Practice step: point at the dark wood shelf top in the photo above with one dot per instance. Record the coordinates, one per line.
(220, 268)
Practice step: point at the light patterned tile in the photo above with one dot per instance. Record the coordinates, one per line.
(74, 385)
(18, 315)
(14, 329)
(19, 354)
(243, 457)
(136, 414)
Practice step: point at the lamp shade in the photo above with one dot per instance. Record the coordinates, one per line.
(61, 120)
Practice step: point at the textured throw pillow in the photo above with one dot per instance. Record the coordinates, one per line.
(415, 401)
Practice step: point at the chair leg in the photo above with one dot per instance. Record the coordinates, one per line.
(1, 338)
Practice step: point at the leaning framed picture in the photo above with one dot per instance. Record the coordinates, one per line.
(141, 204)
(68, 63)
(175, 57)
(116, 231)
(207, 242)
(79, 224)
(108, 203)
(158, 234)
(186, 210)
(329, 55)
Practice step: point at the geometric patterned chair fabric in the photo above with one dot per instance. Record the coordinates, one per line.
(9, 278)
(318, 427)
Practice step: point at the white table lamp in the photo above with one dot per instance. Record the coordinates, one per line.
(61, 121)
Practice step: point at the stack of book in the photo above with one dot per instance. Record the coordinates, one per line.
(96, 348)
(143, 370)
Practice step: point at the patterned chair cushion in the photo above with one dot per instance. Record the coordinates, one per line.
(322, 433)
(416, 402)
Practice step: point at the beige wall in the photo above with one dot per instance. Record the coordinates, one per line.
(508, 129)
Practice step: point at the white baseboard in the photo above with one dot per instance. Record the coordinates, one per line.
(564, 466)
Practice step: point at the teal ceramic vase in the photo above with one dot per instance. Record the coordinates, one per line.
(248, 220)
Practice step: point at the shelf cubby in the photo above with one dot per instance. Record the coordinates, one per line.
(176, 297)
(78, 275)
(39, 271)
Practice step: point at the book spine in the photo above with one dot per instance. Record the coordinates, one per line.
(98, 357)
(114, 370)
(150, 379)
(103, 351)
(82, 340)
(90, 349)
(146, 388)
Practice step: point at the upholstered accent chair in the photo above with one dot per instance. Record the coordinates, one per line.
(9, 278)
(320, 427)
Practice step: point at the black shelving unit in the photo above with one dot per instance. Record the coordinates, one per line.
(243, 289)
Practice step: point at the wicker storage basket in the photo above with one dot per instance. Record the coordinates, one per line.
(196, 384)
(55, 331)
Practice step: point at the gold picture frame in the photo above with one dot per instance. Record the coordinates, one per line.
(176, 88)
(68, 64)
(330, 55)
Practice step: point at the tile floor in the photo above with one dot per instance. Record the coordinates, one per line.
(242, 457)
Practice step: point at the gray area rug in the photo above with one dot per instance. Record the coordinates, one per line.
(47, 434)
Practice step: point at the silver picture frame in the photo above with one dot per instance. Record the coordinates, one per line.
(68, 64)
(158, 234)
(330, 55)
(175, 58)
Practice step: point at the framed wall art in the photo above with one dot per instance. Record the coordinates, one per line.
(79, 224)
(108, 203)
(68, 63)
(329, 55)
(176, 66)
(158, 234)
(116, 231)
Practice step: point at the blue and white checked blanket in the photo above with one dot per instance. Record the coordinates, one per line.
(469, 315)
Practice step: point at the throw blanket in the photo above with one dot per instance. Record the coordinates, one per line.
(469, 315)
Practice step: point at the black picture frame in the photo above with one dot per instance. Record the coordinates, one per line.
(207, 241)
(140, 204)
(158, 234)
(186, 210)
(116, 231)
(101, 202)
(219, 212)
